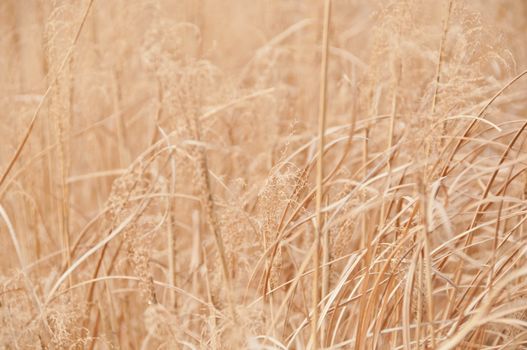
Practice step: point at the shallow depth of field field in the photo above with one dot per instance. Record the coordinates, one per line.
(266, 174)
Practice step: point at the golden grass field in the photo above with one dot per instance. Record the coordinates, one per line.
(266, 174)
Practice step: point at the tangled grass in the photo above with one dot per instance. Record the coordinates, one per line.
(208, 174)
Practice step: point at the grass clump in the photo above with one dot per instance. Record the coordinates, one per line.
(272, 175)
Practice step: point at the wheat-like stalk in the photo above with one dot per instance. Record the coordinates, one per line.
(264, 175)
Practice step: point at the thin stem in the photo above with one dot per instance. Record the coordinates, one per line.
(320, 177)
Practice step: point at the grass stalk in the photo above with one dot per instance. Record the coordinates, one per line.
(320, 176)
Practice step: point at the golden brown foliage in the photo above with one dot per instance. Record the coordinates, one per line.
(211, 174)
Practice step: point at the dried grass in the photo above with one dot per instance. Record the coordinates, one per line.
(272, 175)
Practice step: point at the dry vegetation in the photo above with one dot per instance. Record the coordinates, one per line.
(209, 174)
